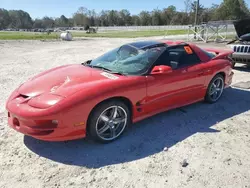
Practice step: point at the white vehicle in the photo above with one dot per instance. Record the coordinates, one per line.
(241, 45)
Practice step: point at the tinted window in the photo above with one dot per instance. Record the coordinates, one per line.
(178, 57)
(163, 59)
(209, 54)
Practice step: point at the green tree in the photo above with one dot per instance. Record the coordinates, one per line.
(62, 21)
(20, 19)
(81, 17)
(168, 15)
(125, 17)
(5, 19)
(48, 22)
(232, 10)
(156, 17)
(145, 18)
(135, 20)
(113, 18)
(38, 23)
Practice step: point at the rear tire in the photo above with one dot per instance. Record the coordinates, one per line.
(108, 121)
(215, 89)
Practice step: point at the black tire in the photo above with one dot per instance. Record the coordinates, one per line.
(208, 97)
(95, 116)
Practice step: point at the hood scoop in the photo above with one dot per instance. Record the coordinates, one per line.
(23, 96)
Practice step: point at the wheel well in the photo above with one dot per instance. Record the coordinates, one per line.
(222, 74)
(125, 100)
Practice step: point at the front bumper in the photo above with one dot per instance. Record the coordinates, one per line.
(241, 58)
(52, 124)
(44, 129)
(41, 124)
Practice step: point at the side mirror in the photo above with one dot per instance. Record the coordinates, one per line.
(161, 69)
(86, 62)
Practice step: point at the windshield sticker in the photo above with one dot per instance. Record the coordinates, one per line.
(188, 49)
(110, 76)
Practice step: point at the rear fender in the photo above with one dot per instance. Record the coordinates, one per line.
(224, 55)
(218, 51)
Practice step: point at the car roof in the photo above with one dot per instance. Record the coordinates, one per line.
(174, 42)
(147, 44)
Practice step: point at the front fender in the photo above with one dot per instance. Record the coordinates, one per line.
(82, 102)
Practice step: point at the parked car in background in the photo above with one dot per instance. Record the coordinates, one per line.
(241, 45)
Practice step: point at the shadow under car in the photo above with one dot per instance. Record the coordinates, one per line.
(146, 137)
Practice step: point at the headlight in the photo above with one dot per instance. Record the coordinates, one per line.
(45, 101)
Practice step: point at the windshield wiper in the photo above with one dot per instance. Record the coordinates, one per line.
(99, 67)
(106, 69)
(120, 73)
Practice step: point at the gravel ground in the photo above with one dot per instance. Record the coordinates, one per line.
(199, 145)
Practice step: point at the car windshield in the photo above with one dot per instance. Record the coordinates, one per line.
(128, 59)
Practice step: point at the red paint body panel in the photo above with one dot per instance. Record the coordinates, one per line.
(69, 93)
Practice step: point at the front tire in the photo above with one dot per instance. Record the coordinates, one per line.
(215, 89)
(108, 121)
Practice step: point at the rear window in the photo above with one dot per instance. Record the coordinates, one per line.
(209, 54)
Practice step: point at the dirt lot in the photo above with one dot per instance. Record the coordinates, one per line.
(213, 139)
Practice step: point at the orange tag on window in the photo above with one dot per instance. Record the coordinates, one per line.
(188, 49)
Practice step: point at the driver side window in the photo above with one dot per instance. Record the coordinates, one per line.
(182, 56)
(178, 57)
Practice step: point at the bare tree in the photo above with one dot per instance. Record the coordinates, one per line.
(188, 6)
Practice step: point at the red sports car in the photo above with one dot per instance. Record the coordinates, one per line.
(102, 97)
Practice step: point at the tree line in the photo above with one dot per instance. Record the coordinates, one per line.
(227, 10)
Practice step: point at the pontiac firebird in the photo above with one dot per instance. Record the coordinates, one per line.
(102, 97)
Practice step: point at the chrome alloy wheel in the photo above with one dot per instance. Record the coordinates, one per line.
(111, 123)
(216, 89)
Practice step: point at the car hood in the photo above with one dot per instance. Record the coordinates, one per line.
(242, 27)
(64, 80)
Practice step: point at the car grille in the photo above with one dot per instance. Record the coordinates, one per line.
(242, 48)
(241, 53)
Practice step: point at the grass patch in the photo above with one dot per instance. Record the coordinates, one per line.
(14, 35)
(132, 34)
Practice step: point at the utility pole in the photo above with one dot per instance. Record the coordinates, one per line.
(196, 16)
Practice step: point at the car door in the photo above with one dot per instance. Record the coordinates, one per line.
(182, 86)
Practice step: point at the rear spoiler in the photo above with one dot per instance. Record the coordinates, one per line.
(220, 54)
